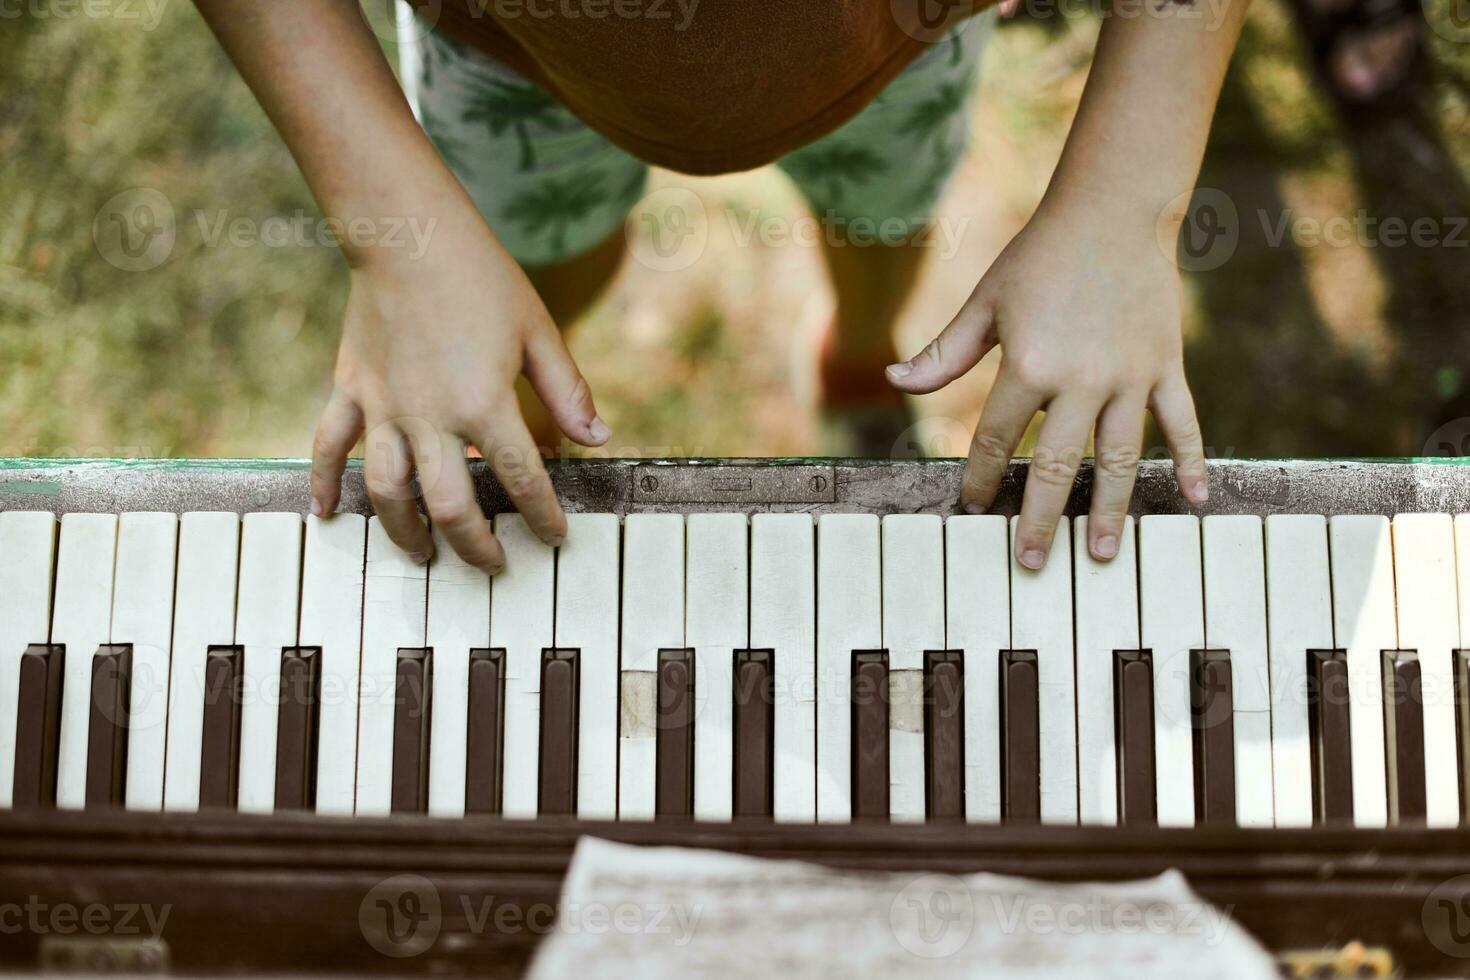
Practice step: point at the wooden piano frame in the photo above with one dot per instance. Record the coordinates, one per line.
(286, 893)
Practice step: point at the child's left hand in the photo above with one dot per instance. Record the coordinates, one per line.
(1085, 305)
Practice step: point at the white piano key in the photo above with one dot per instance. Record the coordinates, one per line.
(1107, 620)
(394, 609)
(1172, 620)
(1235, 620)
(204, 616)
(331, 618)
(1428, 615)
(653, 619)
(587, 590)
(142, 615)
(978, 621)
(783, 618)
(1364, 624)
(265, 623)
(81, 619)
(458, 622)
(716, 624)
(1299, 602)
(1462, 575)
(1041, 620)
(913, 621)
(849, 617)
(27, 548)
(522, 604)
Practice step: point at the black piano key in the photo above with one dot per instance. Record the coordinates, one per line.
(219, 746)
(1403, 722)
(1331, 736)
(413, 701)
(1460, 669)
(557, 791)
(755, 717)
(107, 729)
(484, 754)
(1212, 707)
(38, 725)
(1133, 727)
(296, 728)
(1020, 737)
(944, 734)
(674, 752)
(870, 734)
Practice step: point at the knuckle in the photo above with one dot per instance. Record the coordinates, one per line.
(1117, 462)
(1032, 369)
(579, 399)
(455, 513)
(989, 448)
(1052, 469)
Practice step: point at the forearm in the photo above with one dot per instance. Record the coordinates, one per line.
(316, 68)
(1141, 129)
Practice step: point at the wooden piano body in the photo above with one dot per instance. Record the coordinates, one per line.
(293, 892)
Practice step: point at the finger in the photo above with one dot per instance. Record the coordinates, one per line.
(959, 347)
(388, 473)
(456, 514)
(1173, 408)
(1115, 467)
(562, 389)
(1008, 8)
(1008, 410)
(517, 464)
(337, 432)
(1059, 449)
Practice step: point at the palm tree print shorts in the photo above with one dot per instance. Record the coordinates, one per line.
(551, 187)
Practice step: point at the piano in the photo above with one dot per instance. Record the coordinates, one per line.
(215, 704)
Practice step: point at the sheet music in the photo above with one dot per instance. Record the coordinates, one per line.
(683, 912)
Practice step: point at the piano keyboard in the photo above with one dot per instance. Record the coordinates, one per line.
(1286, 670)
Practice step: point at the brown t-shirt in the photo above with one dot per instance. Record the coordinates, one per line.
(705, 86)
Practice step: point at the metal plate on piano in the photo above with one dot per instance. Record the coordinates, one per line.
(624, 486)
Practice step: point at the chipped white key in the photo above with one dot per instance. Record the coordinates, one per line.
(142, 615)
(1041, 620)
(458, 622)
(81, 620)
(1107, 620)
(716, 624)
(1299, 601)
(783, 618)
(978, 621)
(522, 604)
(849, 617)
(913, 622)
(27, 549)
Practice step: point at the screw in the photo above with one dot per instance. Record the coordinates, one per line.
(648, 484)
(819, 484)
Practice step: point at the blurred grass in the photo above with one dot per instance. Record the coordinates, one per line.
(227, 349)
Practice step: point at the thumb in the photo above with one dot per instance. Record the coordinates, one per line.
(959, 347)
(559, 384)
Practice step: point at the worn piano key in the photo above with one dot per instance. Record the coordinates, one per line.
(298, 727)
(483, 755)
(944, 734)
(978, 621)
(81, 621)
(1107, 620)
(675, 761)
(559, 697)
(870, 741)
(107, 731)
(1133, 706)
(1212, 705)
(849, 617)
(1020, 736)
(413, 703)
(754, 732)
(219, 728)
(1403, 725)
(717, 622)
(1330, 727)
(27, 550)
(1461, 665)
(37, 726)
(913, 622)
(458, 622)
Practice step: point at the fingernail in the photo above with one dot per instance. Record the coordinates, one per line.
(555, 541)
(1033, 558)
(1106, 546)
(492, 570)
(900, 370)
(974, 508)
(1200, 493)
(317, 509)
(597, 429)
(418, 558)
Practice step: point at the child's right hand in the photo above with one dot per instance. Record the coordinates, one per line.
(431, 349)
